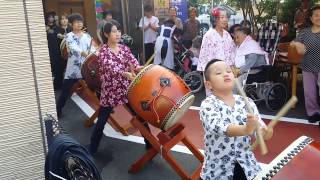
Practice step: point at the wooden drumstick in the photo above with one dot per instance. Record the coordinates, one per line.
(293, 100)
(263, 146)
(149, 60)
(89, 50)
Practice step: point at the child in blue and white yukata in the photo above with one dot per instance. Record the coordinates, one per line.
(228, 127)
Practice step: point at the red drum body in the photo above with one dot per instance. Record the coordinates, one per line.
(90, 72)
(299, 161)
(64, 49)
(159, 96)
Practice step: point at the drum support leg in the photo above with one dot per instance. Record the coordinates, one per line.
(91, 99)
(162, 147)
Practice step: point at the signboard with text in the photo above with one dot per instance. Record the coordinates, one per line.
(182, 8)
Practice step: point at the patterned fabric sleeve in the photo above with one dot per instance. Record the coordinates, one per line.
(204, 53)
(212, 120)
(232, 55)
(73, 46)
(131, 57)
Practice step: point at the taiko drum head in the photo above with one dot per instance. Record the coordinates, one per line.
(90, 72)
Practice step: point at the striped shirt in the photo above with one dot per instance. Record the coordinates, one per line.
(311, 60)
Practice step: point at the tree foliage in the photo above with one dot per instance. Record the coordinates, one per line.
(257, 11)
(195, 3)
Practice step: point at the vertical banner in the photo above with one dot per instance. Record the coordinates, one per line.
(161, 8)
(182, 8)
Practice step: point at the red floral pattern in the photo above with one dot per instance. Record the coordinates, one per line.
(114, 85)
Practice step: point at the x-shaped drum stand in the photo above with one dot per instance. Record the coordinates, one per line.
(162, 145)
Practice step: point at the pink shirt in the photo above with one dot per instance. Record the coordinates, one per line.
(216, 47)
(114, 85)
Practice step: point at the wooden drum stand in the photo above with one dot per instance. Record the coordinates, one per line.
(162, 145)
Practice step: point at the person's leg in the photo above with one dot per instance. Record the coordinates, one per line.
(310, 93)
(145, 124)
(238, 173)
(149, 48)
(65, 93)
(104, 113)
(58, 73)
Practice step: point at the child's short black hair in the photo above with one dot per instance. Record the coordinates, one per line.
(207, 70)
(75, 17)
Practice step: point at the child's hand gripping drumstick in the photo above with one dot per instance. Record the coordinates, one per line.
(281, 113)
(263, 146)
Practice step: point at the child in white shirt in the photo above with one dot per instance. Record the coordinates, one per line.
(228, 127)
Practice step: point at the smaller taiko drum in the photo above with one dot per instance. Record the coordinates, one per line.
(300, 160)
(90, 72)
(159, 96)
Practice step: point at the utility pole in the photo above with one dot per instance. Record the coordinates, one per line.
(143, 48)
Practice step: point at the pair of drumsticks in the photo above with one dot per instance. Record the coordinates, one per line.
(282, 112)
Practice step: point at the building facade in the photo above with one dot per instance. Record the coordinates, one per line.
(26, 91)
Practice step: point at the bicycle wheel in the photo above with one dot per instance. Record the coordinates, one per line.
(194, 81)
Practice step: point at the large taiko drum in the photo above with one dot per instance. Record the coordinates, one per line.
(159, 96)
(64, 49)
(90, 72)
(298, 161)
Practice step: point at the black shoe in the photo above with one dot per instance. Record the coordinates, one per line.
(147, 145)
(92, 149)
(314, 118)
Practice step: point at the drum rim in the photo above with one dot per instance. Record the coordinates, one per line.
(85, 60)
(302, 141)
(186, 98)
(138, 77)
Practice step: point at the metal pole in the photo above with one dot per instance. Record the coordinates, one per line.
(124, 16)
(143, 48)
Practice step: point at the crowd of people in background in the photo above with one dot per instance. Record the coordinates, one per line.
(164, 38)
